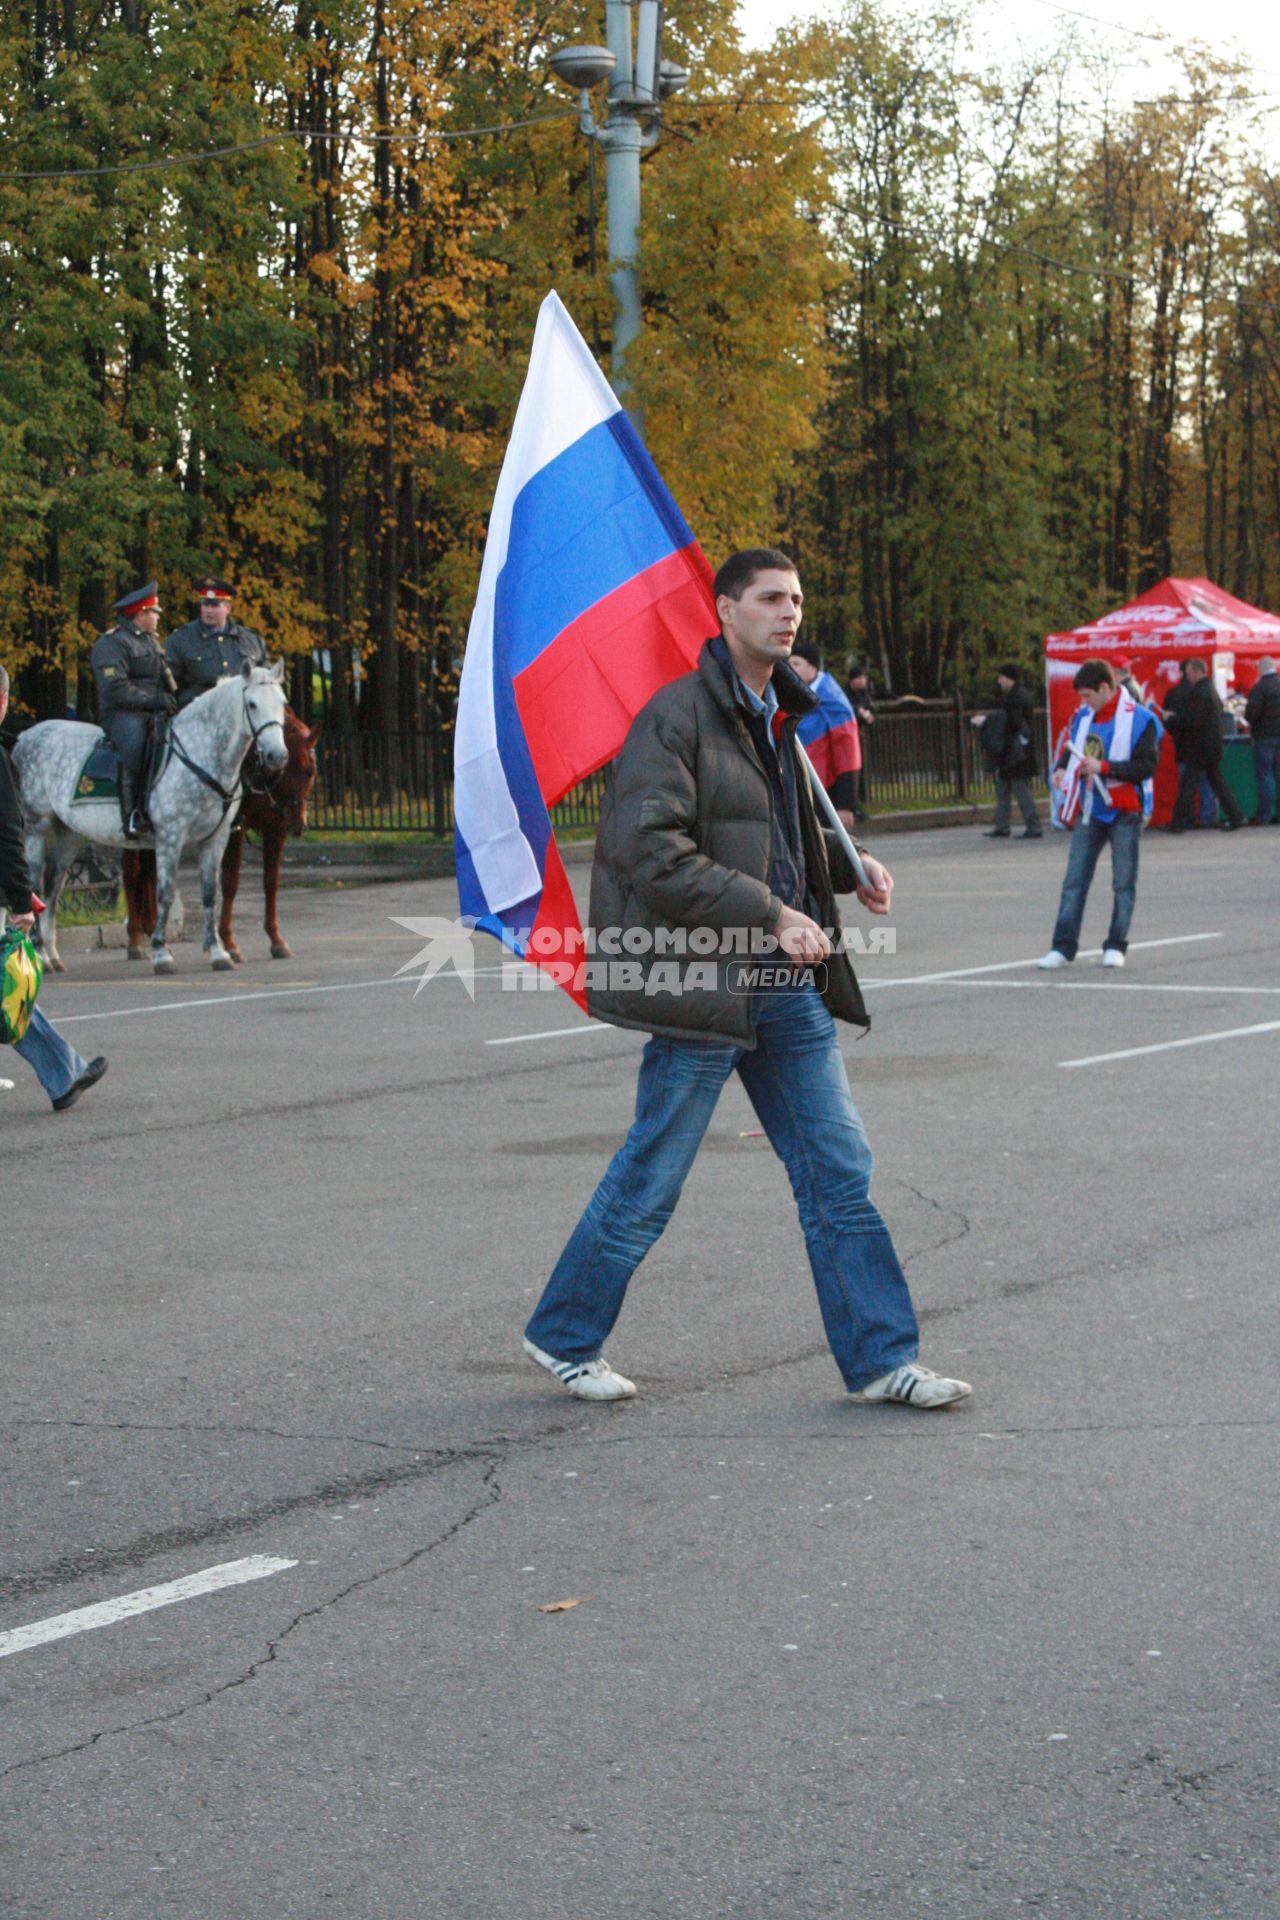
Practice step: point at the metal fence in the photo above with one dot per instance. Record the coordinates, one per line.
(403, 783)
(918, 753)
(921, 753)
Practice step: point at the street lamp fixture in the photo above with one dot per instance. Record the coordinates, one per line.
(583, 67)
(639, 80)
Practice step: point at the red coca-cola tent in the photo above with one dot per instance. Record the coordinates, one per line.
(1155, 633)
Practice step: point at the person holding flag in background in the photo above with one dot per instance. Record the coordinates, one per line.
(589, 634)
(829, 735)
(1105, 775)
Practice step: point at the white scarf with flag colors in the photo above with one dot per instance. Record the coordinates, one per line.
(1091, 796)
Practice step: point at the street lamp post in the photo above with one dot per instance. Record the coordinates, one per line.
(637, 86)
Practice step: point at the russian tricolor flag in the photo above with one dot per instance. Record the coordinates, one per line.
(593, 593)
(830, 737)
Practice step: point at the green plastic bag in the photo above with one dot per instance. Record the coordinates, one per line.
(20, 971)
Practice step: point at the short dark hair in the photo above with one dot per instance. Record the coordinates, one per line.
(740, 569)
(808, 650)
(1094, 674)
(1194, 661)
(1008, 672)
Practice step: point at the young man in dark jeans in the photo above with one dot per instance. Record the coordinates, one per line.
(1104, 774)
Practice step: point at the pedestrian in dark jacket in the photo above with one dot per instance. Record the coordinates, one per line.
(862, 699)
(58, 1067)
(708, 843)
(1011, 732)
(1262, 713)
(1200, 746)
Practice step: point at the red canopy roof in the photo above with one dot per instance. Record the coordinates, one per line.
(1186, 616)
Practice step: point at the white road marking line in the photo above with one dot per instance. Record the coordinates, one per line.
(1168, 1046)
(553, 1033)
(265, 993)
(233, 1573)
(1106, 986)
(1009, 966)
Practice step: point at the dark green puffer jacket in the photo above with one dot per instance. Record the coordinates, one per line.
(684, 842)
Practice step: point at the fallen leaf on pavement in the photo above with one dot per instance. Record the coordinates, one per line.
(562, 1606)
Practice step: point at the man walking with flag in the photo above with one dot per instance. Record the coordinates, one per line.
(1105, 774)
(589, 636)
(709, 829)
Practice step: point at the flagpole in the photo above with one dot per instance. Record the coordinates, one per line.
(824, 801)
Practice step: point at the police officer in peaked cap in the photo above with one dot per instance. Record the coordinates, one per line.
(212, 645)
(135, 691)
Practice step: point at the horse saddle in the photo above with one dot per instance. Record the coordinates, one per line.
(99, 777)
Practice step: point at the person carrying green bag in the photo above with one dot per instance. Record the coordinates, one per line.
(56, 1064)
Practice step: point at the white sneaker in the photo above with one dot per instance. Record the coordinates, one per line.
(1112, 957)
(1053, 959)
(914, 1386)
(585, 1379)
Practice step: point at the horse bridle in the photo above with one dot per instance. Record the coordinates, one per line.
(203, 774)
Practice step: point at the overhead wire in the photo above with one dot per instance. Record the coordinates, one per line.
(723, 102)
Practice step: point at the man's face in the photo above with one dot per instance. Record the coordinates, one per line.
(4, 705)
(761, 627)
(1096, 697)
(1005, 684)
(214, 613)
(148, 619)
(804, 669)
(1196, 674)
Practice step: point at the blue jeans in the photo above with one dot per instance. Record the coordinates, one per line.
(54, 1059)
(1088, 838)
(796, 1082)
(1266, 771)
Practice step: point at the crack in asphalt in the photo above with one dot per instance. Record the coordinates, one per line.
(67, 1145)
(147, 1546)
(490, 1497)
(939, 1206)
(216, 1428)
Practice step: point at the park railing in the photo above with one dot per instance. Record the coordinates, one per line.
(926, 753)
(917, 754)
(403, 783)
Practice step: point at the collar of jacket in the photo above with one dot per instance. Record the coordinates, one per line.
(715, 665)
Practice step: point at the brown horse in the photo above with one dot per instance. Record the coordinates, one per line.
(275, 812)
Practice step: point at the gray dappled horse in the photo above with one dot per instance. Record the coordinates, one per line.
(193, 799)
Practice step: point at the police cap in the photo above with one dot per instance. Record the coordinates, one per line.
(137, 600)
(210, 587)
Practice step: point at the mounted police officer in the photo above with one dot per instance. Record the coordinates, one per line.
(135, 690)
(212, 645)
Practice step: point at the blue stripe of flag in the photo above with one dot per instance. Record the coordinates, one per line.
(585, 524)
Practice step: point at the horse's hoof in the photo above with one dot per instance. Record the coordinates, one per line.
(55, 963)
(237, 958)
(222, 963)
(165, 963)
(281, 950)
(137, 953)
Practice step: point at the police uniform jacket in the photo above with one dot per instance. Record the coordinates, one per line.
(133, 682)
(201, 656)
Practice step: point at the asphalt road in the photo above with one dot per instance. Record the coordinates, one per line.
(263, 1292)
